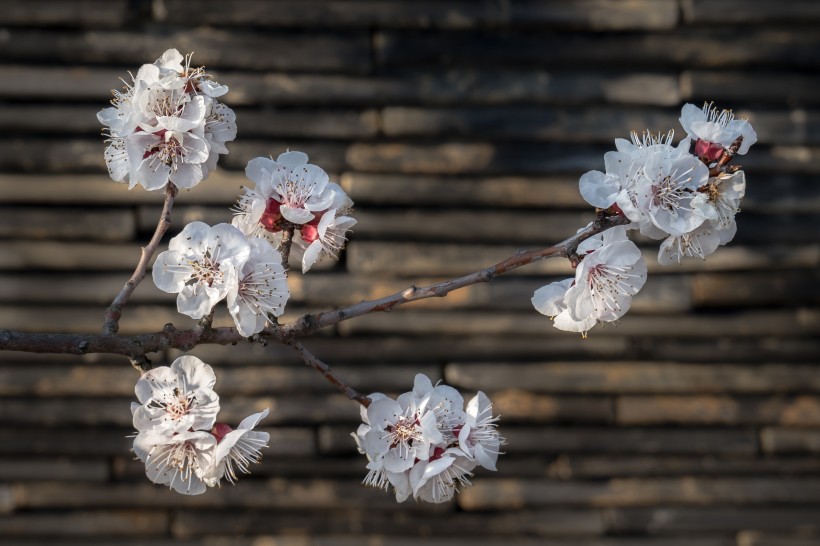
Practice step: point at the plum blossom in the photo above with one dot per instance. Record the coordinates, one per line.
(715, 130)
(167, 126)
(236, 449)
(201, 265)
(178, 438)
(176, 398)
(612, 271)
(288, 191)
(179, 461)
(326, 236)
(261, 289)
(424, 444)
(665, 192)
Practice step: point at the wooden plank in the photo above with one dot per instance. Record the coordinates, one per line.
(718, 410)
(82, 288)
(82, 119)
(308, 124)
(469, 158)
(748, 289)
(468, 225)
(749, 86)
(317, 51)
(688, 46)
(335, 440)
(413, 259)
(89, 381)
(735, 11)
(452, 14)
(266, 495)
(790, 440)
(330, 156)
(606, 466)
(507, 192)
(756, 538)
(725, 349)
(382, 523)
(588, 124)
(597, 124)
(406, 350)
(800, 322)
(660, 294)
(536, 227)
(86, 523)
(220, 188)
(66, 224)
(465, 158)
(507, 494)
(770, 194)
(91, 13)
(28, 255)
(76, 83)
(52, 155)
(634, 377)
(713, 519)
(53, 469)
(97, 442)
(438, 86)
(523, 406)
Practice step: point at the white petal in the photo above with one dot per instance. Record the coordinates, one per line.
(291, 160)
(549, 300)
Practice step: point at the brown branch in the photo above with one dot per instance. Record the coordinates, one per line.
(308, 324)
(284, 246)
(328, 374)
(137, 346)
(114, 311)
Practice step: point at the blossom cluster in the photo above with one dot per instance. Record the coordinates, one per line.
(205, 264)
(167, 125)
(178, 437)
(426, 443)
(666, 192)
(292, 193)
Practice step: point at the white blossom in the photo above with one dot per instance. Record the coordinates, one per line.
(287, 191)
(167, 126)
(261, 290)
(328, 236)
(236, 449)
(478, 438)
(424, 444)
(665, 191)
(201, 265)
(698, 243)
(178, 460)
(176, 398)
(438, 479)
(710, 126)
(612, 271)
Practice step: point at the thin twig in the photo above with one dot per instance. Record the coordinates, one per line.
(308, 324)
(284, 246)
(328, 374)
(114, 311)
(170, 338)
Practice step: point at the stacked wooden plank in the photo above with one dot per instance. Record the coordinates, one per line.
(459, 128)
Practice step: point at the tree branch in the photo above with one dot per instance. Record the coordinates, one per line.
(114, 311)
(328, 374)
(135, 347)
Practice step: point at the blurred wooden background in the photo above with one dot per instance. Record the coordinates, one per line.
(460, 129)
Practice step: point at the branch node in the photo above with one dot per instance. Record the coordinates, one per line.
(169, 328)
(83, 346)
(140, 363)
